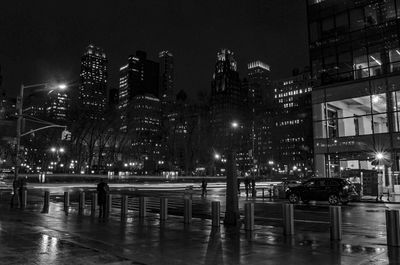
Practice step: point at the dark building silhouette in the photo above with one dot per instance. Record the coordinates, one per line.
(292, 130)
(140, 110)
(113, 99)
(355, 54)
(93, 82)
(166, 60)
(138, 77)
(228, 104)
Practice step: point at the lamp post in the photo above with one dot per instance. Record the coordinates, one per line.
(270, 165)
(216, 157)
(232, 215)
(20, 100)
(379, 156)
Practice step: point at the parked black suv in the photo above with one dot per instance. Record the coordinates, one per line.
(333, 190)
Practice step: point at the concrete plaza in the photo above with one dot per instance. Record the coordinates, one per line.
(30, 237)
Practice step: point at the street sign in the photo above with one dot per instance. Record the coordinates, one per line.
(66, 135)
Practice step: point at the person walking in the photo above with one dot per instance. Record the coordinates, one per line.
(22, 187)
(204, 187)
(102, 191)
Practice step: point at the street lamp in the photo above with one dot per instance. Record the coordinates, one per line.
(379, 156)
(232, 215)
(20, 100)
(234, 124)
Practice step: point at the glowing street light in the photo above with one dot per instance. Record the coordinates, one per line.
(217, 156)
(234, 124)
(379, 156)
(53, 149)
(62, 86)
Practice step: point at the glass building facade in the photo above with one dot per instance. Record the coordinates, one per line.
(355, 54)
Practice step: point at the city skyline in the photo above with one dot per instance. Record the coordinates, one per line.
(55, 56)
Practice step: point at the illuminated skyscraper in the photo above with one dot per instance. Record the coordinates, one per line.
(292, 128)
(260, 97)
(57, 105)
(93, 82)
(167, 91)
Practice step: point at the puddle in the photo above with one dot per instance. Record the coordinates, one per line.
(354, 249)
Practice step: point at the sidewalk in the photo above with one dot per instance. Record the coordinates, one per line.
(29, 237)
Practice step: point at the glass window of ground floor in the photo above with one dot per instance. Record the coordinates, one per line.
(361, 108)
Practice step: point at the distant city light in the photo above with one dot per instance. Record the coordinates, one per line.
(235, 124)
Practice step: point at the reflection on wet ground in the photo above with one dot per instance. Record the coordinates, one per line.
(28, 237)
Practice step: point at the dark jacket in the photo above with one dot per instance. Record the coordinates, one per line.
(102, 190)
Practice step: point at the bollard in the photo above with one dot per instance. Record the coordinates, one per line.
(249, 216)
(24, 198)
(46, 202)
(288, 219)
(142, 206)
(163, 209)
(188, 211)
(81, 206)
(263, 194)
(392, 228)
(335, 213)
(124, 207)
(108, 205)
(94, 205)
(66, 201)
(216, 213)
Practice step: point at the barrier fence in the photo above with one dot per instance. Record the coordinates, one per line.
(288, 215)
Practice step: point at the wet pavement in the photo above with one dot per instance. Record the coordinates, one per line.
(30, 237)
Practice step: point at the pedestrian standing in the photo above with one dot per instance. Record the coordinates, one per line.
(253, 187)
(238, 182)
(204, 187)
(102, 191)
(15, 195)
(246, 186)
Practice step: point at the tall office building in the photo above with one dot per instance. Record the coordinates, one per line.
(138, 77)
(140, 110)
(93, 82)
(57, 105)
(260, 97)
(292, 130)
(167, 92)
(260, 92)
(227, 104)
(355, 53)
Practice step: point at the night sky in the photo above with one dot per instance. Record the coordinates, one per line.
(42, 40)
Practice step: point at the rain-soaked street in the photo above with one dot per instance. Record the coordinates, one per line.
(31, 237)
